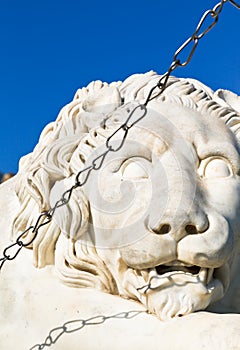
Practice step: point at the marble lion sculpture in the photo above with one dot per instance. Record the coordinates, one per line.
(159, 223)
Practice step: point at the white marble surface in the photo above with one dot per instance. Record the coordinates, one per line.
(162, 212)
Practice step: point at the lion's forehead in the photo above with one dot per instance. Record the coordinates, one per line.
(185, 120)
(183, 128)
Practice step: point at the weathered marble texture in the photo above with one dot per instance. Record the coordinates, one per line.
(163, 210)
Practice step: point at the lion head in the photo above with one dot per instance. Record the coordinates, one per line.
(159, 222)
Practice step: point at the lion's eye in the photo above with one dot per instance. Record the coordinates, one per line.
(134, 170)
(217, 167)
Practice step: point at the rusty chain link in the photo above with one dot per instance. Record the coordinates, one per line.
(11, 252)
(76, 325)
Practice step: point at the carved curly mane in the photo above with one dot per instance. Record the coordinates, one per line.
(62, 151)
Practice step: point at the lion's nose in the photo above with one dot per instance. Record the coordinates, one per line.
(179, 227)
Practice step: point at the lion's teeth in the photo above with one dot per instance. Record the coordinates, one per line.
(145, 275)
(152, 273)
(210, 274)
(203, 274)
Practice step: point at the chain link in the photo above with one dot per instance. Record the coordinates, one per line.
(234, 3)
(153, 283)
(193, 40)
(77, 325)
(12, 251)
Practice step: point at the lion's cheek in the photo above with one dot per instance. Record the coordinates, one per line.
(223, 197)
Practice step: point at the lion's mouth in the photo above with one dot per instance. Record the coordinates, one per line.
(201, 274)
(204, 274)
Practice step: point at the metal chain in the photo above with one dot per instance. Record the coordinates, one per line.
(153, 285)
(76, 325)
(193, 40)
(12, 251)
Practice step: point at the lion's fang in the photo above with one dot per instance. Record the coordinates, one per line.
(203, 275)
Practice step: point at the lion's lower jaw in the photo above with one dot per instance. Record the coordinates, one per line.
(178, 299)
(176, 302)
(173, 295)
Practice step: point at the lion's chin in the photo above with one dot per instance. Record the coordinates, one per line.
(176, 301)
(182, 294)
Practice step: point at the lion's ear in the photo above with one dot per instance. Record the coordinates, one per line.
(97, 100)
(101, 98)
(227, 99)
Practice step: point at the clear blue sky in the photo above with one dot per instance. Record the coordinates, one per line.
(50, 48)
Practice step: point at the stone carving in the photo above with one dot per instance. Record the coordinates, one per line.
(159, 223)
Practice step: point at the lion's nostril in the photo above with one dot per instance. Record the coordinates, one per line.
(164, 229)
(191, 229)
